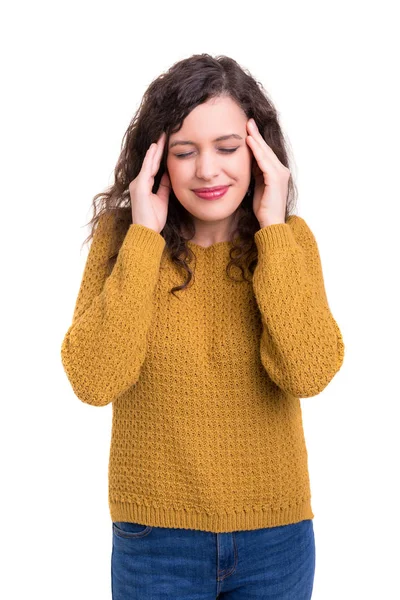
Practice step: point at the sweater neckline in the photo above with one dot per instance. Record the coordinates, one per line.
(215, 246)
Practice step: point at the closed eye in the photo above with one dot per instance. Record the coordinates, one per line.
(225, 150)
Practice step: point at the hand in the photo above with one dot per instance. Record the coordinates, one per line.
(271, 180)
(150, 209)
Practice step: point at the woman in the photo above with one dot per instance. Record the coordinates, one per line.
(202, 317)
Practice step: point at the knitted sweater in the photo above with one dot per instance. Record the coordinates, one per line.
(207, 428)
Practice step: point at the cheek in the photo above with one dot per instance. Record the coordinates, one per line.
(177, 172)
(172, 172)
(242, 165)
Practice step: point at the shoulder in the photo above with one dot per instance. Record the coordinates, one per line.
(111, 229)
(301, 230)
(296, 222)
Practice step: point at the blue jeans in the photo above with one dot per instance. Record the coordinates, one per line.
(169, 563)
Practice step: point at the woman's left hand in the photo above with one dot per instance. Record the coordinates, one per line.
(271, 180)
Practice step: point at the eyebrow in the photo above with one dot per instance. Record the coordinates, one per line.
(218, 139)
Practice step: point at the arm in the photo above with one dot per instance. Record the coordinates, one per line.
(105, 346)
(301, 346)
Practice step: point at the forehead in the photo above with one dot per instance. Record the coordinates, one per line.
(214, 118)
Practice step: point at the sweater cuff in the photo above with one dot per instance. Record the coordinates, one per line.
(278, 235)
(146, 238)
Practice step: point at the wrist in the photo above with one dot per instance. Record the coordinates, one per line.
(270, 222)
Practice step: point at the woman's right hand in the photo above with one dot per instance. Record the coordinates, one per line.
(150, 209)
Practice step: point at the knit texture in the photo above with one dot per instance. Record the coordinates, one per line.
(205, 387)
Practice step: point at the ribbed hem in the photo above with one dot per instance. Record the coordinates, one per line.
(278, 235)
(241, 520)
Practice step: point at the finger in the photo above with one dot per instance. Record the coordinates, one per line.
(258, 138)
(259, 150)
(149, 163)
(265, 156)
(158, 153)
(264, 161)
(253, 130)
(148, 160)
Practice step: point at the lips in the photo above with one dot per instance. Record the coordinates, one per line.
(211, 189)
(211, 193)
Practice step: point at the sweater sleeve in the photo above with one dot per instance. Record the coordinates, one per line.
(104, 348)
(301, 346)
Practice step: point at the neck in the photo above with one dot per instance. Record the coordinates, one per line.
(207, 234)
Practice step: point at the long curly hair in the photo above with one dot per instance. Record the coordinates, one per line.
(164, 106)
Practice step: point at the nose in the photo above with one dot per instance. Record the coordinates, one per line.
(207, 166)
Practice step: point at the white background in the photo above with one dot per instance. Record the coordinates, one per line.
(73, 74)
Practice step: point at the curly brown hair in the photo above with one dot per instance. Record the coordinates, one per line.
(164, 106)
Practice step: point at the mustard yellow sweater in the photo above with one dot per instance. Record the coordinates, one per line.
(207, 429)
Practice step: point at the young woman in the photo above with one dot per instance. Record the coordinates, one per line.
(202, 317)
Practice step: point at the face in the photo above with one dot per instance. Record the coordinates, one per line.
(196, 160)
